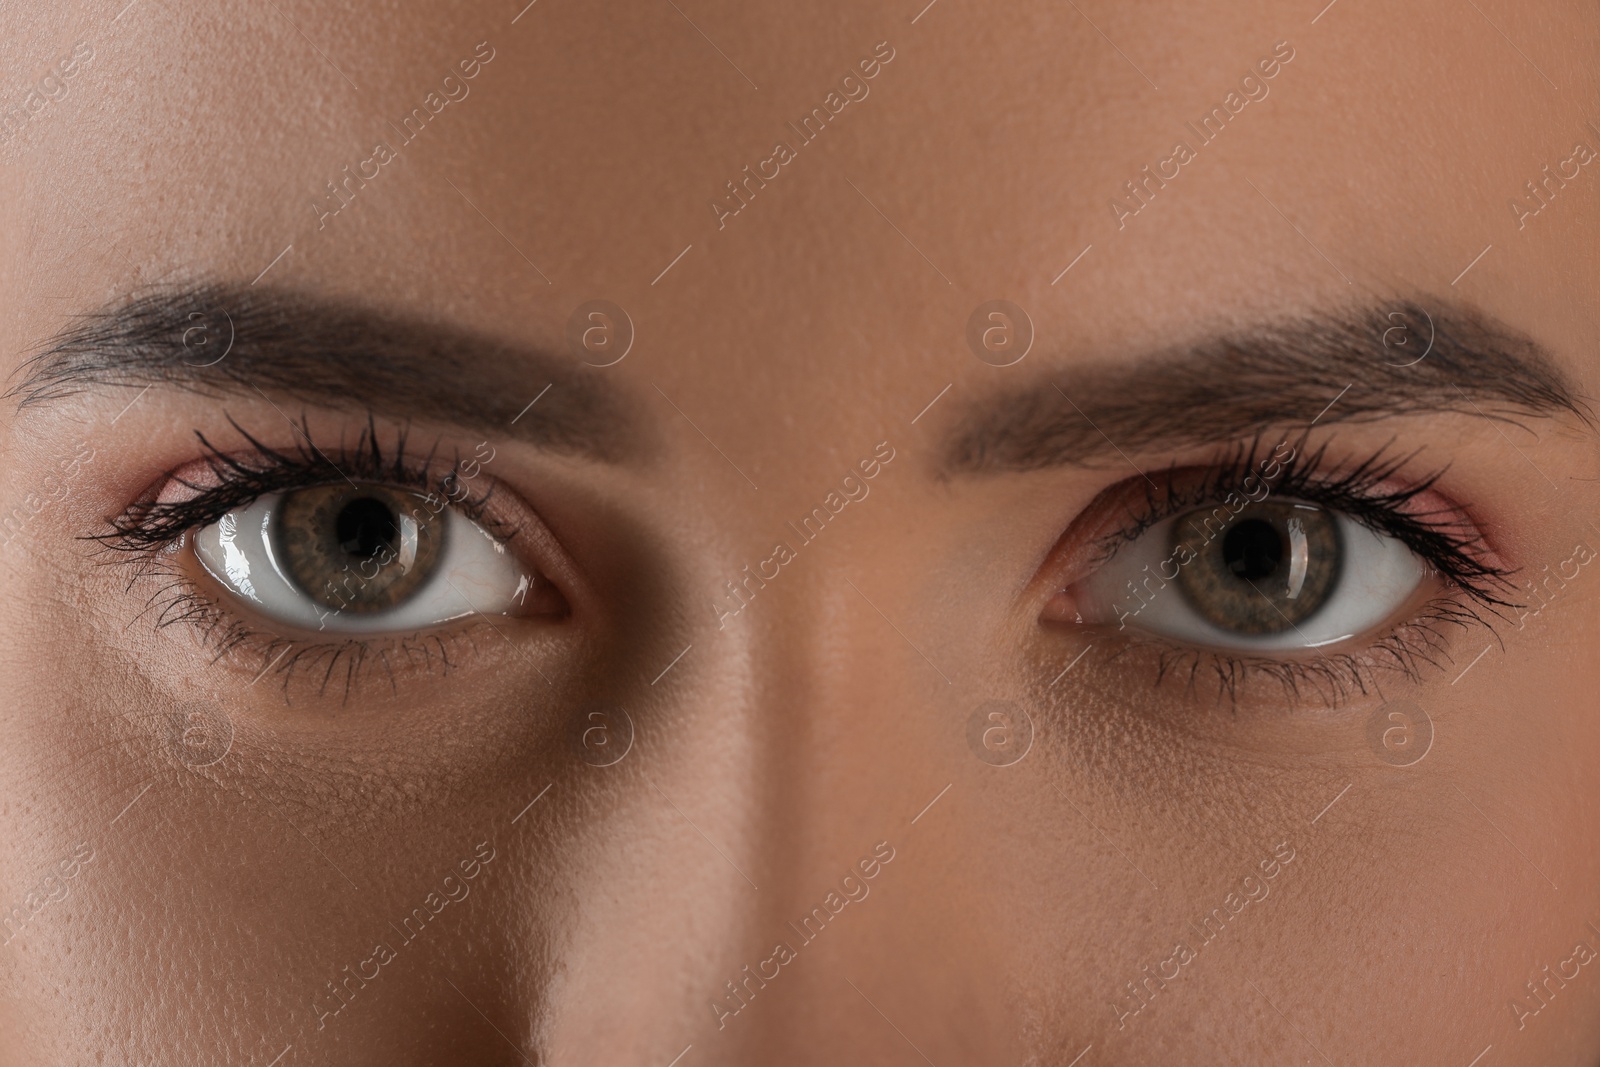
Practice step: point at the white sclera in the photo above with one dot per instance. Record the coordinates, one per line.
(474, 574)
(1377, 575)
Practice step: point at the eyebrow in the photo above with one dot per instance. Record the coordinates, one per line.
(293, 345)
(1314, 370)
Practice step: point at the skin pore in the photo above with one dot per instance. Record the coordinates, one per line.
(723, 786)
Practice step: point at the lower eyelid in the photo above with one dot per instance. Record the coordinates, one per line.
(261, 650)
(1415, 648)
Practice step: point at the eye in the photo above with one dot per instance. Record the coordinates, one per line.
(1268, 575)
(366, 558)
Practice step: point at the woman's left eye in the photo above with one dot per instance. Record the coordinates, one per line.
(1272, 575)
(364, 558)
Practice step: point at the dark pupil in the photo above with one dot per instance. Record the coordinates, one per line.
(1252, 549)
(366, 527)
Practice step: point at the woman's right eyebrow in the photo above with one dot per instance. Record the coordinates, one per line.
(291, 346)
(1350, 366)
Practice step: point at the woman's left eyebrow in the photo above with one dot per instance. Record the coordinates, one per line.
(1348, 367)
(218, 340)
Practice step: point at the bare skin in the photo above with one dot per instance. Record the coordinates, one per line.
(249, 823)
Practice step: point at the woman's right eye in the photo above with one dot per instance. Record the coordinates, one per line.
(366, 559)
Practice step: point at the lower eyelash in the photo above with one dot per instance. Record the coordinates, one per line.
(1408, 650)
(177, 599)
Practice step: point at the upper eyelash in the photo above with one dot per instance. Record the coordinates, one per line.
(151, 524)
(148, 527)
(1444, 540)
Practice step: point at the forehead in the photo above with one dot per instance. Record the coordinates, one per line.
(777, 189)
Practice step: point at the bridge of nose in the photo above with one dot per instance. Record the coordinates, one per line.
(855, 817)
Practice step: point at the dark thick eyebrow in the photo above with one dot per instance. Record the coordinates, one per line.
(1317, 369)
(288, 345)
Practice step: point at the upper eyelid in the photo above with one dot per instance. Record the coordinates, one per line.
(1211, 486)
(1309, 478)
(238, 477)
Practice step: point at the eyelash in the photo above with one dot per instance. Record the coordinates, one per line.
(146, 533)
(145, 536)
(1446, 542)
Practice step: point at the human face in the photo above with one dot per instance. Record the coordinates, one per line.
(1186, 659)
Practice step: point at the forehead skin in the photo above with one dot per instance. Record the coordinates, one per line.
(816, 322)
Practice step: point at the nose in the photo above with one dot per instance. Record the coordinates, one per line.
(794, 859)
